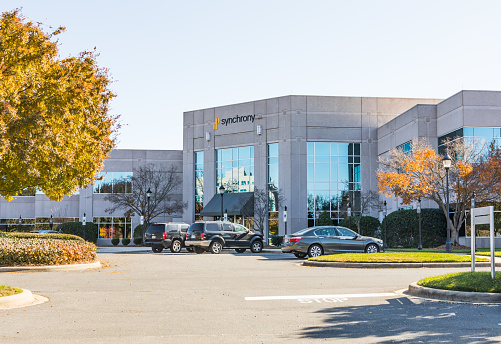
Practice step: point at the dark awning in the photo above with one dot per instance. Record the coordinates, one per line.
(238, 203)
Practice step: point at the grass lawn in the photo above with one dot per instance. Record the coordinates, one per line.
(488, 253)
(398, 257)
(465, 281)
(8, 291)
(389, 249)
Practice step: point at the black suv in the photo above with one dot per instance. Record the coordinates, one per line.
(166, 235)
(213, 236)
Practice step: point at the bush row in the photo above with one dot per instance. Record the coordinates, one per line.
(44, 251)
(22, 235)
(402, 228)
(76, 228)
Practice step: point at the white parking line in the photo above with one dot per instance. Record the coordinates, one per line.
(316, 297)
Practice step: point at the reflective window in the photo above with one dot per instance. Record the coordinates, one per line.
(199, 184)
(113, 182)
(333, 179)
(273, 188)
(234, 168)
(114, 227)
(484, 133)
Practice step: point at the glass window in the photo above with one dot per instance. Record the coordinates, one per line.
(113, 182)
(211, 227)
(199, 182)
(240, 228)
(332, 168)
(235, 165)
(227, 227)
(342, 231)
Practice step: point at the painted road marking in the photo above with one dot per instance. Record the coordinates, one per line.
(317, 298)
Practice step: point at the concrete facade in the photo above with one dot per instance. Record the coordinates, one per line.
(291, 121)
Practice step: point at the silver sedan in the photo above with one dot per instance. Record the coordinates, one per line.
(316, 241)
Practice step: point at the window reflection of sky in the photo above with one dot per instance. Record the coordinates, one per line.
(333, 176)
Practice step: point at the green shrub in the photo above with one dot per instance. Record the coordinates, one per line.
(369, 225)
(125, 241)
(403, 228)
(138, 240)
(138, 231)
(44, 250)
(324, 219)
(22, 235)
(276, 240)
(115, 241)
(76, 228)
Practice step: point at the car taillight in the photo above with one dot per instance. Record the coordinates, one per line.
(294, 239)
(186, 236)
(164, 236)
(202, 236)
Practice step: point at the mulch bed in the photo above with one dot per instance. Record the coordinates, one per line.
(458, 247)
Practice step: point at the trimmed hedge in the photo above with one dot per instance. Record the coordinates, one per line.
(138, 240)
(125, 241)
(44, 250)
(115, 241)
(403, 228)
(76, 228)
(369, 225)
(23, 235)
(276, 240)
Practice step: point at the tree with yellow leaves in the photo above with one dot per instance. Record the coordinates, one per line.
(55, 130)
(476, 168)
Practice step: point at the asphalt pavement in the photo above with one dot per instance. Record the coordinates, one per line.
(142, 297)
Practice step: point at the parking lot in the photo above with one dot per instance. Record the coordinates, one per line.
(236, 298)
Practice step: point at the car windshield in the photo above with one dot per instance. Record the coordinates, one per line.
(155, 229)
(196, 227)
(305, 232)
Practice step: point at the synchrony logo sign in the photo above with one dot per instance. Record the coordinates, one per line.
(233, 120)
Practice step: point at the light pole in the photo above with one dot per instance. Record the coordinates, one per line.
(84, 221)
(472, 207)
(447, 161)
(420, 246)
(51, 222)
(285, 219)
(349, 212)
(221, 192)
(385, 245)
(225, 215)
(148, 195)
(20, 222)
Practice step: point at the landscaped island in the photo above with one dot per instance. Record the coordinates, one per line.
(44, 249)
(397, 257)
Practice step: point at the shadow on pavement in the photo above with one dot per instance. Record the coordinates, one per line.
(403, 321)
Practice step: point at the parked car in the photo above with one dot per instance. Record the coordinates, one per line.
(166, 235)
(213, 236)
(316, 241)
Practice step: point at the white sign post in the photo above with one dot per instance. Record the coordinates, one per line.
(481, 216)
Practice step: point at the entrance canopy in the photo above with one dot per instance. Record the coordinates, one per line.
(238, 203)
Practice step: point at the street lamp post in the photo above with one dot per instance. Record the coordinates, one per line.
(285, 219)
(420, 246)
(84, 221)
(148, 196)
(447, 161)
(226, 215)
(472, 233)
(349, 212)
(51, 222)
(385, 245)
(20, 222)
(221, 192)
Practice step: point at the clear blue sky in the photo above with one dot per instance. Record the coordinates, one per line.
(167, 57)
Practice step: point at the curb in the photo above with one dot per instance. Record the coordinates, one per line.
(452, 295)
(395, 265)
(26, 298)
(48, 268)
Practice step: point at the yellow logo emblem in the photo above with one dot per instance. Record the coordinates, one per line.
(214, 126)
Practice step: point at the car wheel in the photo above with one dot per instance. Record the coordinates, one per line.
(300, 255)
(215, 247)
(176, 246)
(256, 246)
(240, 250)
(199, 250)
(371, 248)
(157, 249)
(315, 250)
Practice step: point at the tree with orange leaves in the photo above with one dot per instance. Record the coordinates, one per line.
(476, 168)
(55, 130)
